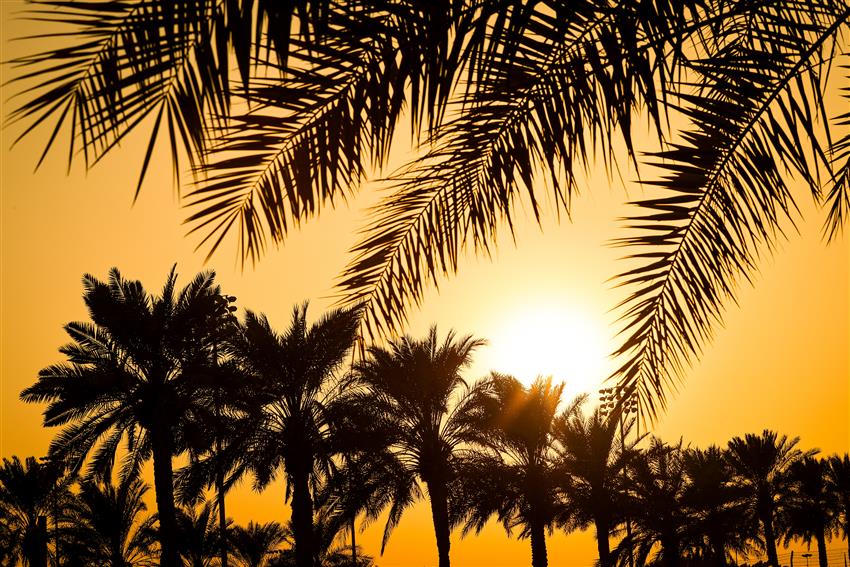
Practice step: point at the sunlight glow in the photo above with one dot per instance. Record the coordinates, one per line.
(566, 342)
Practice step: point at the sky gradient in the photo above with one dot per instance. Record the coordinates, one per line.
(782, 360)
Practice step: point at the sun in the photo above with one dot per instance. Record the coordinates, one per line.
(569, 343)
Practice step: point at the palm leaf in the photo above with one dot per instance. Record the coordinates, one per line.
(838, 197)
(313, 126)
(726, 193)
(552, 89)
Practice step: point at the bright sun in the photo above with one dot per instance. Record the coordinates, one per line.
(568, 343)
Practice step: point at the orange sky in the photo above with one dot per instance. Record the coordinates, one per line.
(782, 361)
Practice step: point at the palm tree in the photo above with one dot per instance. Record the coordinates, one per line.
(291, 375)
(136, 372)
(838, 476)
(423, 413)
(197, 535)
(811, 509)
(513, 477)
(254, 544)
(108, 527)
(215, 455)
(760, 464)
(591, 457)
(656, 487)
(30, 490)
(746, 76)
(328, 553)
(715, 504)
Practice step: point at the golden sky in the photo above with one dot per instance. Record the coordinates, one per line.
(782, 360)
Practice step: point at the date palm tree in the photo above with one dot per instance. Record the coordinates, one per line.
(424, 413)
(109, 527)
(322, 84)
(255, 543)
(291, 375)
(513, 476)
(811, 508)
(715, 504)
(136, 372)
(760, 465)
(30, 490)
(198, 535)
(838, 476)
(591, 457)
(656, 488)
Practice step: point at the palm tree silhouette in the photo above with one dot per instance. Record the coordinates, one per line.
(591, 456)
(291, 375)
(656, 485)
(760, 464)
(424, 413)
(254, 544)
(109, 527)
(715, 504)
(135, 372)
(838, 476)
(325, 84)
(30, 490)
(811, 508)
(215, 453)
(513, 476)
(198, 535)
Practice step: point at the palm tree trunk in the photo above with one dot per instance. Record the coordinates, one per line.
(602, 542)
(302, 517)
(539, 557)
(440, 515)
(670, 549)
(769, 539)
(164, 488)
(222, 516)
(821, 538)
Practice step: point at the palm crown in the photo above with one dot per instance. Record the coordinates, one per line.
(137, 373)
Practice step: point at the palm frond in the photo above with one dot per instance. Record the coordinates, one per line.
(128, 63)
(726, 194)
(838, 197)
(555, 89)
(313, 124)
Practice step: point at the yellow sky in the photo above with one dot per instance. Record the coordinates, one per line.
(781, 361)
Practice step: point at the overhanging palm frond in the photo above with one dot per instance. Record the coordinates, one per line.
(838, 197)
(124, 63)
(129, 61)
(754, 116)
(555, 88)
(312, 128)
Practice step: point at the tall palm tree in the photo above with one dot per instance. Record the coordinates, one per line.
(591, 457)
(254, 544)
(811, 509)
(30, 490)
(656, 487)
(137, 372)
(838, 476)
(715, 504)
(513, 476)
(109, 527)
(424, 413)
(292, 378)
(745, 76)
(760, 464)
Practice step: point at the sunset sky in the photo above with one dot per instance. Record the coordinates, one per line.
(782, 360)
